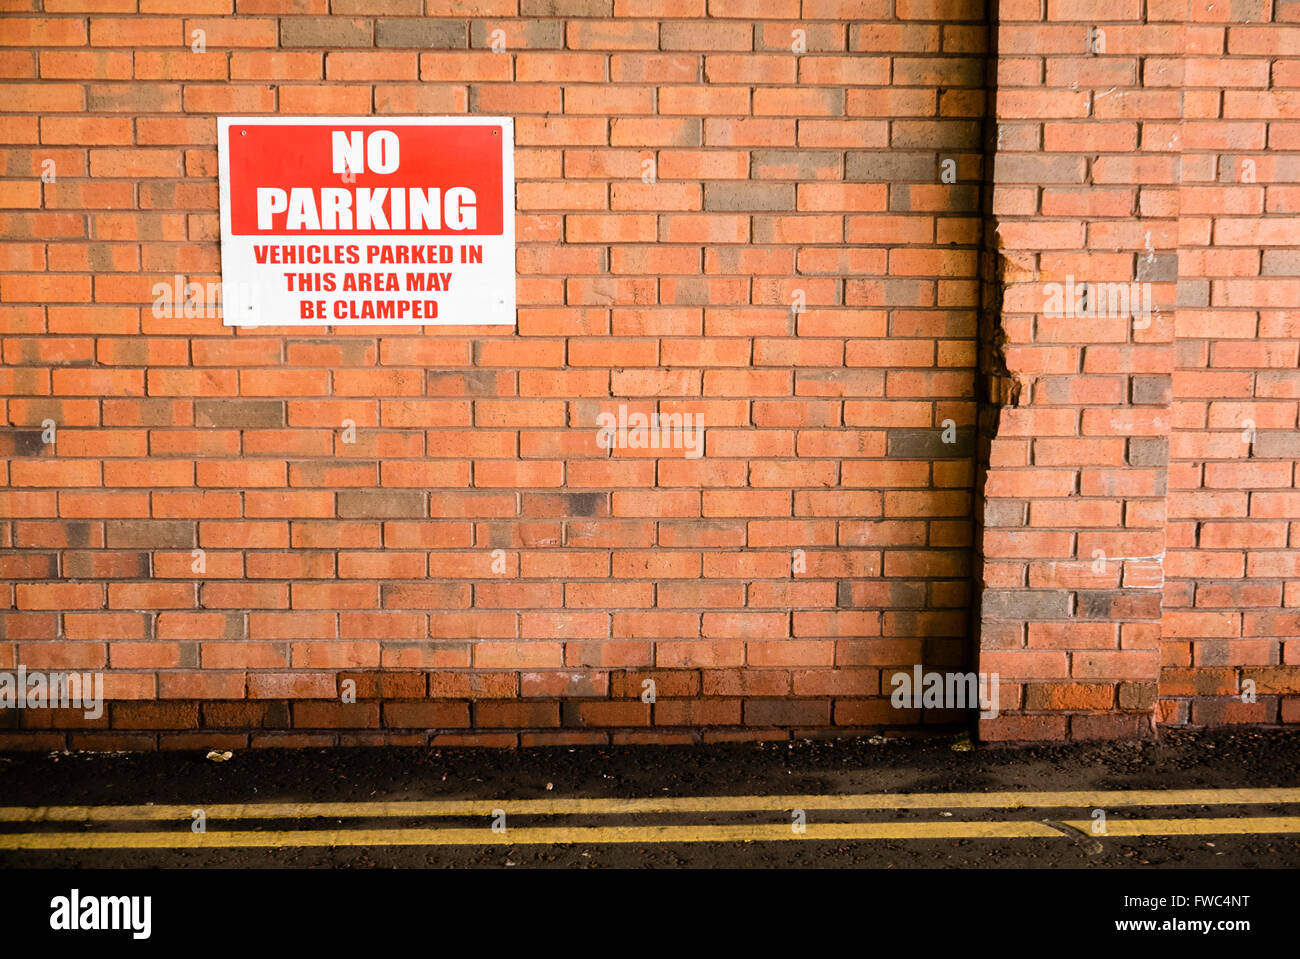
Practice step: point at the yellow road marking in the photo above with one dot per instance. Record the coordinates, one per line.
(595, 835)
(484, 836)
(1194, 827)
(1107, 799)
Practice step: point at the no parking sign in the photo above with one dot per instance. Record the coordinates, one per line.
(334, 221)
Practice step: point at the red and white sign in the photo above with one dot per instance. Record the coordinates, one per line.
(341, 221)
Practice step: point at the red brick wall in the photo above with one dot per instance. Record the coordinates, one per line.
(485, 572)
(1232, 599)
(1086, 174)
(1136, 550)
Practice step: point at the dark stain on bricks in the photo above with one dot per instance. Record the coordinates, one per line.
(101, 258)
(1000, 514)
(24, 443)
(151, 534)
(239, 413)
(480, 382)
(1026, 604)
(929, 443)
(77, 533)
(499, 535)
(1281, 263)
(154, 715)
(18, 163)
(1158, 267)
(325, 32)
(907, 594)
(158, 195)
(1148, 451)
(1118, 604)
(1277, 444)
(539, 35)
(1152, 390)
(748, 195)
(1191, 293)
(348, 353)
(1095, 604)
(277, 716)
(129, 352)
(564, 505)
(960, 198)
(475, 382)
(360, 504)
(566, 8)
(586, 504)
(424, 34)
(844, 594)
(1137, 696)
(890, 166)
(161, 412)
(794, 165)
(82, 565)
(245, 715)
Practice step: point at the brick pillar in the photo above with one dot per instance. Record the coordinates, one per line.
(1228, 646)
(1085, 174)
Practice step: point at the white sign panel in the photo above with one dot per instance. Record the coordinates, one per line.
(340, 221)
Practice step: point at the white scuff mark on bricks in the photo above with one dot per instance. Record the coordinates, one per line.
(1154, 563)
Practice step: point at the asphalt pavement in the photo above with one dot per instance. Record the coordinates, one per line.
(1220, 799)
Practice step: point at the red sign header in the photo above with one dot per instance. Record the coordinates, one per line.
(365, 179)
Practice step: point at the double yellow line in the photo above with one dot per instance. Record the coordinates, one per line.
(181, 837)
